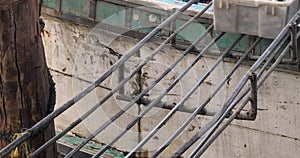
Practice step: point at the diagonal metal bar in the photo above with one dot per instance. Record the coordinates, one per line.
(201, 106)
(260, 73)
(140, 95)
(211, 129)
(207, 127)
(45, 121)
(199, 148)
(184, 99)
(121, 84)
(161, 96)
(264, 78)
(260, 83)
(237, 90)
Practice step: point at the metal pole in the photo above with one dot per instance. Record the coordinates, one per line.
(183, 126)
(245, 115)
(162, 95)
(45, 121)
(168, 106)
(121, 84)
(199, 148)
(236, 91)
(245, 93)
(253, 96)
(187, 96)
(294, 45)
(140, 95)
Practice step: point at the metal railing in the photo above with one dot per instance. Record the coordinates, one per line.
(209, 132)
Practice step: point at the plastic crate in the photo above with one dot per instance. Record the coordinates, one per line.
(264, 18)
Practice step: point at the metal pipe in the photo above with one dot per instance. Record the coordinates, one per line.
(162, 95)
(245, 115)
(228, 102)
(211, 130)
(236, 91)
(249, 115)
(137, 98)
(160, 104)
(121, 84)
(45, 121)
(232, 117)
(183, 100)
(183, 108)
(183, 126)
(168, 106)
(271, 69)
(252, 112)
(246, 92)
(253, 96)
(140, 95)
(272, 55)
(294, 45)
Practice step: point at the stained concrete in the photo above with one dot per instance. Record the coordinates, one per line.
(76, 59)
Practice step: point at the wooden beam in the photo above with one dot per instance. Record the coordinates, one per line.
(24, 85)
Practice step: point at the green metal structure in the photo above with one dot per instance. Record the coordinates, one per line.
(122, 16)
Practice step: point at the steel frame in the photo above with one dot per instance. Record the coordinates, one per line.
(209, 132)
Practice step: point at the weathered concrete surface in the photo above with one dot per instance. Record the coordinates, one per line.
(75, 63)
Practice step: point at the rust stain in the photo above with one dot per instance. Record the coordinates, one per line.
(45, 33)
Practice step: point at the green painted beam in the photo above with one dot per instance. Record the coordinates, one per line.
(110, 13)
(191, 32)
(144, 20)
(79, 8)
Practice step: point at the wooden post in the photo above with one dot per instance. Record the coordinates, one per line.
(24, 85)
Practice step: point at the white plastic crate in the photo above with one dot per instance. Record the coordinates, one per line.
(264, 18)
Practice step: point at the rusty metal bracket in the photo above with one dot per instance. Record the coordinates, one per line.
(252, 112)
(249, 115)
(253, 96)
(164, 105)
(294, 45)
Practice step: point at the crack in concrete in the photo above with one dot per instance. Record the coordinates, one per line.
(267, 132)
(80, 79)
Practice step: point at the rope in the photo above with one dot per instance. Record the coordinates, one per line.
(23, 148)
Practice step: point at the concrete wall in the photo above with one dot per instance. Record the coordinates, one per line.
(76, 57)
